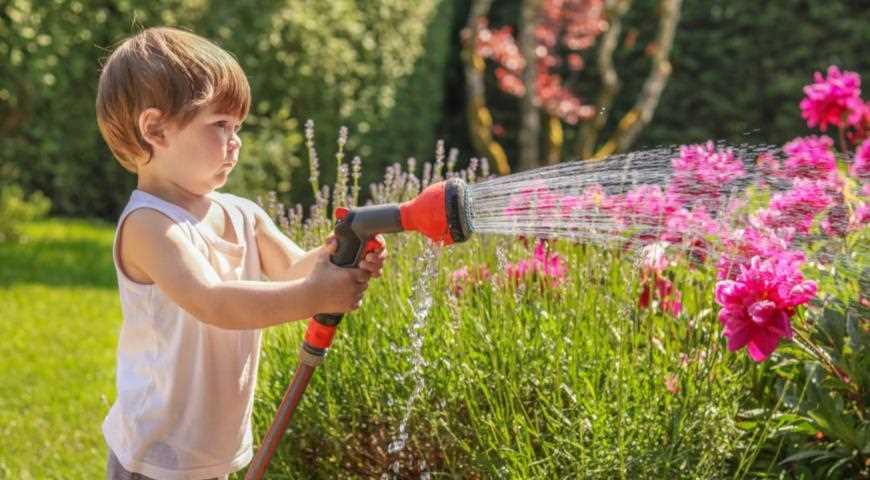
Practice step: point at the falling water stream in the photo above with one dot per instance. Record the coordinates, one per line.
(420, 304)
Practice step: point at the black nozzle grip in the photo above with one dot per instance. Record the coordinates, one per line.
(347, 254)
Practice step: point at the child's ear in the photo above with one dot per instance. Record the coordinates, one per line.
(152, 127)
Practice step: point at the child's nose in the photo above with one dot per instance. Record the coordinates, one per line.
(234, 142)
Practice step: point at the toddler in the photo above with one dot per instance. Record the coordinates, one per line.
(193, 263)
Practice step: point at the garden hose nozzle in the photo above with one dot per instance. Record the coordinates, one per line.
(440, 213)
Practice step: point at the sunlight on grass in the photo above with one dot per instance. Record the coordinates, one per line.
(60, 317)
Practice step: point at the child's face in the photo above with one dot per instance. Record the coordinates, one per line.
(203, 153)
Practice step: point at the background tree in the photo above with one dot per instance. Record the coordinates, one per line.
(542, 69)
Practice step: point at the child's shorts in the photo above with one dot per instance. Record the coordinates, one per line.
(115, 471)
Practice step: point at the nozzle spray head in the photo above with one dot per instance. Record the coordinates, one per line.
(440, 212)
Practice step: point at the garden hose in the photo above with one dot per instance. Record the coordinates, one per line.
(440, 213)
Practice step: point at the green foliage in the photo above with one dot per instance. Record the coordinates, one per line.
(350, 62)
(738, 67)
(16, 209)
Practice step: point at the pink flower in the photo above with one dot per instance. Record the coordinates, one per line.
(672, 383)
(668, 296)
(536, 200)
(654, 257)
(757, 306)
(810, 157)
(749, 242)
(861, 166)
(836, 223)
(860, 217)
(690, 225)
(701, 171)
(548, 267)
(797, 207)
(465, 278)
(645, 206)
(828, 99)
(655, 262)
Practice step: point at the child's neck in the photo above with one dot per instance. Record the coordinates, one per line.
(196, 204)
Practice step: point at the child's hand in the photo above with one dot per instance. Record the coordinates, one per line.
(374, 261)
(336, 289)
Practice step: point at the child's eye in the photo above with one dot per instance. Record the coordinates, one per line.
(221, 124)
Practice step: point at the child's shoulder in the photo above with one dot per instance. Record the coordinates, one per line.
(144, 233)
(247, 206)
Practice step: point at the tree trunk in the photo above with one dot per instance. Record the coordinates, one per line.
(638, 117)
(610, 84)
(530, 115)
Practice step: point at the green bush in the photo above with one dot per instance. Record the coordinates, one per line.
(374, 66)
(15, 208)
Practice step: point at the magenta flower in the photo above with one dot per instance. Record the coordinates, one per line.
(549, 267)
(861, 166)
(701, 171)
(860, 217)
(830, 100)
(746, 243)
(645, 205)
(757, 306)
(536, 200)
(797, 207)
(810, 157)
(689, 225)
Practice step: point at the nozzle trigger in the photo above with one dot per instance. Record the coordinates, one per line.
(341, 212)
(373, 245)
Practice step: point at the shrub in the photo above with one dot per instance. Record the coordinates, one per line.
(16, 208)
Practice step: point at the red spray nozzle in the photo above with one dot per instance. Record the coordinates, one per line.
(438, 213)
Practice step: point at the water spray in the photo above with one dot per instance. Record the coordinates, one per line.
(440, 212)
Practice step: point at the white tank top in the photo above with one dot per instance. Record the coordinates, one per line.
(185, 389)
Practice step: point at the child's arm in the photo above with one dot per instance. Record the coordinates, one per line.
(282, 259)
(157, 247)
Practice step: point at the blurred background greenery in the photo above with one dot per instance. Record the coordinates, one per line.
(391, 71)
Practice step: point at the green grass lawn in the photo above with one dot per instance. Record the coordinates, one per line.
(59, 320)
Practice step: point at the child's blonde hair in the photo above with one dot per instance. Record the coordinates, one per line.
(174, 71)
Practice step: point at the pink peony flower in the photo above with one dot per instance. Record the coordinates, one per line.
(830, 100)
(745, 243)
(644, 206)
(757, 306)
(701, 171)
(797, 207)
(689, 225)
(810, 157)
(861, 166)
